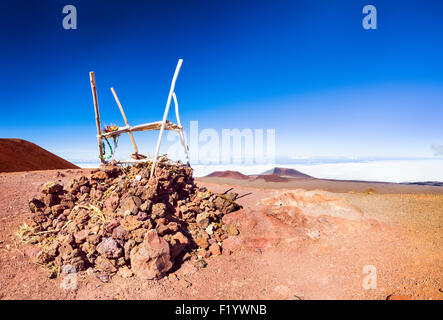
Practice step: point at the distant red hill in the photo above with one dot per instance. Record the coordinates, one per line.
(286, 172)
(272, 178)
(228, 174)
(22, 155)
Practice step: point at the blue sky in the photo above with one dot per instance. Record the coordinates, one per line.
(304, 68)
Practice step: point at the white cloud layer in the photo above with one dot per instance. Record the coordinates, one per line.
(382, 170)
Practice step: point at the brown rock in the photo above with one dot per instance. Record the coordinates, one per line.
(173, 226)
(104, 264)
(146, 206)
(128, 247)
(52, 187)
(149, 193)
(219, 203)
(215, 249)
(139, 234)
(151, 259)
(200, 264)
(98, 194)
(78, 263)
(202, 220)
(125, 272)
(131, 223)
(88, 248)
(94, 238)
(67, 203)
(65, 238)
(51, 199)
(159, 210)
(81, 217)
(110, 248)
(81, 236)
(181, 238)
(129, 204)
(57, 210)
(31, 251)
(99, 175)
(85, 189)
(112, 225)
(162, 229)
(120, 233)
(232, 196)
(142, 216)
(66, 251)
(202, 242)
(111, 203)
(231, 229)
(184, 283)
(178, 244)
(35, 205)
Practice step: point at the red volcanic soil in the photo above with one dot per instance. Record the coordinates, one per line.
(228, 174)
(292, 244)
(21, 155)
(286, 172)
(272, 178)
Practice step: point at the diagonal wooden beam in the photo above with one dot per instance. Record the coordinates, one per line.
(125, 119)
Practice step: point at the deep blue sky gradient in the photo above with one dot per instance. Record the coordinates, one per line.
(306, 68)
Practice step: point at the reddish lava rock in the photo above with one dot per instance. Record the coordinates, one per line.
(152, 258)
(215, 249)
(110, 219)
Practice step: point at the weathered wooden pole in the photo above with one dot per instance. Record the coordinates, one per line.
(97, 115)
(125, 119)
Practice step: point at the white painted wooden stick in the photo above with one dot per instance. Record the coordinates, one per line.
(165, 115)
(180, 133)
(176, 109)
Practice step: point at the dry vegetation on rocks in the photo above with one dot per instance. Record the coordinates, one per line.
(119, 220)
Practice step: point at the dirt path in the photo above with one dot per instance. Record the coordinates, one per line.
(324, 258)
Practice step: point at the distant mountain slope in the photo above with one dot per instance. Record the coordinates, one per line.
(228, 174)
(286, 172)
(272, 178)
(22, 155)
(428, 183)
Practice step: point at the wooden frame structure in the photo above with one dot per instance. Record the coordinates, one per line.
(159, 125)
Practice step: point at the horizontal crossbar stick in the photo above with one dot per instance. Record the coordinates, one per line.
(144, 127)
(167, 163)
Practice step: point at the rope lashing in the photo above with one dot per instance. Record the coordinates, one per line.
(115, 140)
(111, 152)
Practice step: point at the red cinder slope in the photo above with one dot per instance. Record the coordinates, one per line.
(228, 174)
(22, 155)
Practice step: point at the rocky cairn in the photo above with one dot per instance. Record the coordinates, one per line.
(117, 220)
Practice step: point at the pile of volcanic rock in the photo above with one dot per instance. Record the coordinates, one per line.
(118, 220)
